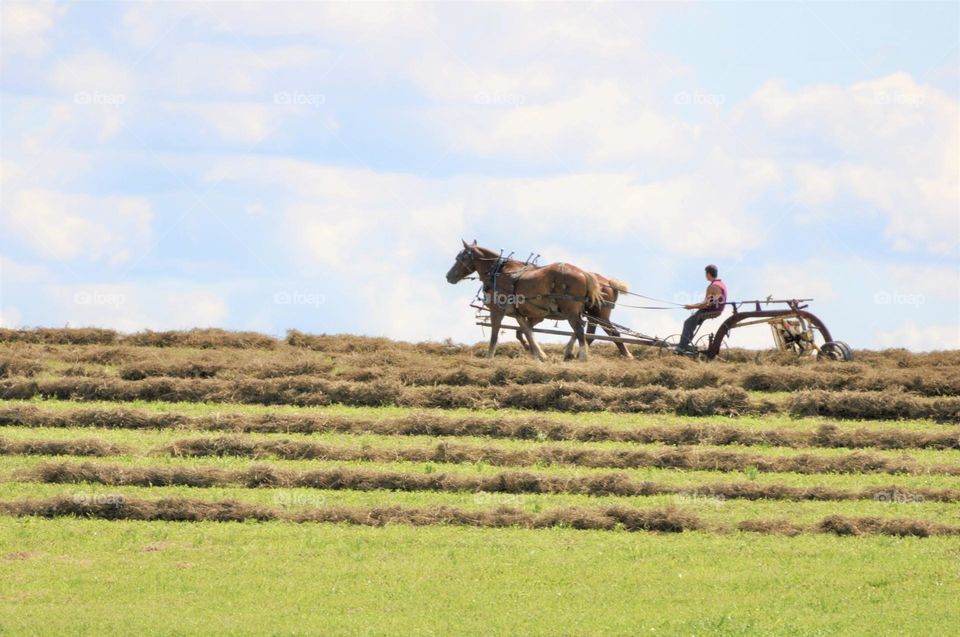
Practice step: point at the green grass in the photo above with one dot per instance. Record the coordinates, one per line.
(93, 577)
(80, 577)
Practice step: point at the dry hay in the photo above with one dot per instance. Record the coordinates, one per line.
(513, 482)
(690, 458)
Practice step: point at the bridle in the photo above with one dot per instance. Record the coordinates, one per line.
(469, 262)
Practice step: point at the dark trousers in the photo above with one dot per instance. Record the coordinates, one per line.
(692, 323)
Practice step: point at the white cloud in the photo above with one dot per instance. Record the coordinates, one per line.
(196, 69)
(147, 24)
(85, 227)
(928, 281)
(134, 307)
(809, 279)
(601, 122)
(14, 272)
(235, 122)
(25, 26)
(890, 142)
(9, 317)
(922, 337)
(92, 71)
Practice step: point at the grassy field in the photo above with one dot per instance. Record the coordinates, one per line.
(211, 482)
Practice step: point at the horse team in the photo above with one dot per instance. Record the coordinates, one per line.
(530, 294)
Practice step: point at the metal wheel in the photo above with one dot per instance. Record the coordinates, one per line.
(703, 344)
(668, 345)
(835, 351)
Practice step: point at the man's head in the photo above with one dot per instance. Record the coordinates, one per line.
(711, 272)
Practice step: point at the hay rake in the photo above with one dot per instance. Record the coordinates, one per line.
(793, 327)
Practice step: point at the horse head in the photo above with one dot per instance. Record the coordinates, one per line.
(464, 265)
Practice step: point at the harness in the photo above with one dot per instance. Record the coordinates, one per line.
(492, 287)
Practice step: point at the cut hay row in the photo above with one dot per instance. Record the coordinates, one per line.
(513, 482)
(663, 520)
(311, 391)
(690, 458)
(512, 428)
(199, 338)
(568, 397)
(425, 370)
(75, 447)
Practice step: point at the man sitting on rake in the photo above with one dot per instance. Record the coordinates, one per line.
(711, 307)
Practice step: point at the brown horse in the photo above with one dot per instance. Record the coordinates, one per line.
(529, 293)
(610, 290)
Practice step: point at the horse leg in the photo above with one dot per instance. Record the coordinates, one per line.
(576, 323)
(534, 346)
(523, 341)
(568, 350)
(612, 331)
(495, 319)
(591, 329)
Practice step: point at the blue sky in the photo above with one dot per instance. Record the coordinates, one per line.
(314, 166)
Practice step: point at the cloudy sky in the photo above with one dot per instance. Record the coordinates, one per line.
(314, 166)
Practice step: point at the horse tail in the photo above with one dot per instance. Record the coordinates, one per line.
(594, 294)
(618, 285)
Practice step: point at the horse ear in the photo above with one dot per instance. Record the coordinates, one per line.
(464, 243)
(474, 243)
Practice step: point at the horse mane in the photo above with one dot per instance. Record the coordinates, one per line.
(487, 252)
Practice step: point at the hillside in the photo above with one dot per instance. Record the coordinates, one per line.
(361, 485)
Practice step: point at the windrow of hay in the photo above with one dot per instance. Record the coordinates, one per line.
(845, 525)
(77, 447)
(691, 458)
(568, 397)
(874, 406)
(348, 343)
(311, 391)
(206, 338)
(513, 482)
(415, 368)
(665, 520)
(517, 428)
(614, 518)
